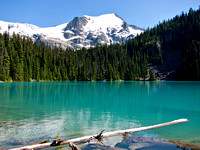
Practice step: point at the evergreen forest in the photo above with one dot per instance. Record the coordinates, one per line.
(22, 59)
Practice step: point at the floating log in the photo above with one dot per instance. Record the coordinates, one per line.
(103, 135)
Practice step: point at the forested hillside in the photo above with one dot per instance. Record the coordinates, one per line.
(21, 59)
(175, 44)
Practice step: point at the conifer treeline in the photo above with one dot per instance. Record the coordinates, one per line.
(21, 59)
(182, 34)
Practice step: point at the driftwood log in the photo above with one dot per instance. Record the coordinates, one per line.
(103, 135)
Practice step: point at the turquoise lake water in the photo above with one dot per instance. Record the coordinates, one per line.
(32, 112)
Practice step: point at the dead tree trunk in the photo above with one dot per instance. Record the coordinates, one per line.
(103, 135)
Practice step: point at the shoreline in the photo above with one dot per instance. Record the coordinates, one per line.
(43, 81)
(131, 142)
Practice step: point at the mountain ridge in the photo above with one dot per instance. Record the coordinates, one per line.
(85, 31)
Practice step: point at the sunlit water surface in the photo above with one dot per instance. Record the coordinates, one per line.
(31, 112)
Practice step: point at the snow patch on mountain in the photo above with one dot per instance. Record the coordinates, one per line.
(85, 31)
(18, 28)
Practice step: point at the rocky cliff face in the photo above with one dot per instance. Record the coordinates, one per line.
(89, 31)
(167, 70)
(85, 31)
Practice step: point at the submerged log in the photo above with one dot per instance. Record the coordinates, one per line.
(41, 142)
(103, 135)
(73, 146)
(184, 145)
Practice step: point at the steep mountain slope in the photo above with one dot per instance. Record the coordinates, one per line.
(173, 47)
(81, 32)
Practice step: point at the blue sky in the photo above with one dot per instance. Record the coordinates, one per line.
(46, 13)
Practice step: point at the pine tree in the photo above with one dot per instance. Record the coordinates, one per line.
(6, 63)
(2, 69)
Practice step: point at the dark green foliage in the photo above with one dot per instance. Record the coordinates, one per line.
(152, 76)
(180, 34)
(21, 59)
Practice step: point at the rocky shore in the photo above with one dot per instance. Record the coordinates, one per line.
(143, 143)
(132, 143)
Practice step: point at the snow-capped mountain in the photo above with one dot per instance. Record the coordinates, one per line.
(81, 32)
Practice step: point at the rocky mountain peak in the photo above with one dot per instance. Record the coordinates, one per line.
(76, 23)
(85, 31)
(89, 31)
